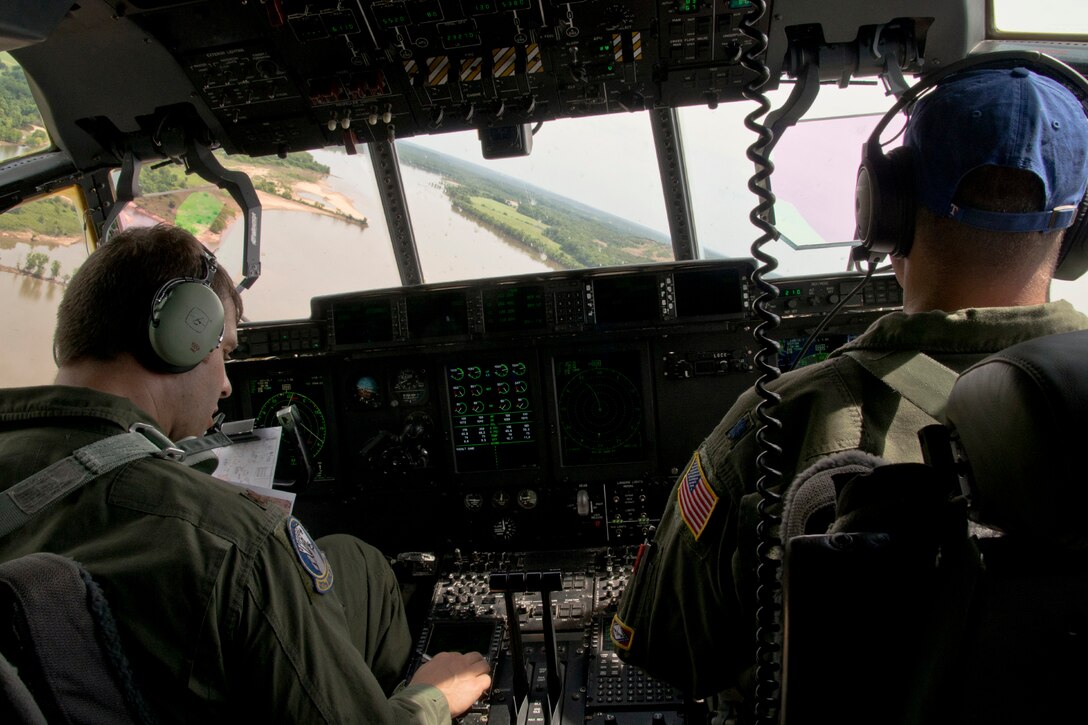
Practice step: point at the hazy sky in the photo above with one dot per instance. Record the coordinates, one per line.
(1042, 16)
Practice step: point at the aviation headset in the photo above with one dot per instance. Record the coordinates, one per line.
(885, 195)
(186, 321)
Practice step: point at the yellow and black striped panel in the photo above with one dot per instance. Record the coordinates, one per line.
(534, 61)
(504, 59)
(636, 47)
(438, 70)
(471, 69)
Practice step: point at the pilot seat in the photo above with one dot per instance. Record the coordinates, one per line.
(61, 660)
(954, 591)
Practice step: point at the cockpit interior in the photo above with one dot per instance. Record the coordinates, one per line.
(465, 415)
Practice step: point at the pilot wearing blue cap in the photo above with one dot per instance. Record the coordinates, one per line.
(1007, 118)
(993, 167)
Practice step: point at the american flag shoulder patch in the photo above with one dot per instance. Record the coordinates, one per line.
(696, 498)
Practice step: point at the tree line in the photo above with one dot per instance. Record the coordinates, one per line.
(574, 235)
(18, 111)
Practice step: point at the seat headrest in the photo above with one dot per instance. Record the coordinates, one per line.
(1020, 415)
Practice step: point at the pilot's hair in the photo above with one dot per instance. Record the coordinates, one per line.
(107, 306)
(999, 189)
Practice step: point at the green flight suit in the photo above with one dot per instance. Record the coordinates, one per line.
(219, 615)
(687, 616)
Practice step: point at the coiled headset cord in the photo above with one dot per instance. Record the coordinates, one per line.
(767, 591)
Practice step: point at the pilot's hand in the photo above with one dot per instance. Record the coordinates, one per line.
(462, 678)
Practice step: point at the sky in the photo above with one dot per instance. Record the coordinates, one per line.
(1042, 16)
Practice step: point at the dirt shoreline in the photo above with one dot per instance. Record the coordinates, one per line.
(333, 203)
(28, 237)
(342, 206)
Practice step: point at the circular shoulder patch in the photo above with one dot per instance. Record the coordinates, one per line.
(312, 559)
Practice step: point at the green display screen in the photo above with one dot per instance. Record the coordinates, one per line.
(459, 35)
(390, 15)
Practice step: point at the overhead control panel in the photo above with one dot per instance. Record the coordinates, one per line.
(288, 75)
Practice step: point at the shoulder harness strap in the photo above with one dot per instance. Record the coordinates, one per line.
(914, 375)
(22, 501)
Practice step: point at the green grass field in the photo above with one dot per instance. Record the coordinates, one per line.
(508, 214)
(509, 219)
(197, 212)
(52, 216)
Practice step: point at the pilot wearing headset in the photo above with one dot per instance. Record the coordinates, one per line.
(225, 606)
(973, 210)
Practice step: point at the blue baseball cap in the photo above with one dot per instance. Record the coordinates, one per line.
(1010, 117)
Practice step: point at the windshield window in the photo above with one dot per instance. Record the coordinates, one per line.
(588, 195)
(815, 163)
(42, 244)
(22, 130)
(1056, 17)
(322, 231)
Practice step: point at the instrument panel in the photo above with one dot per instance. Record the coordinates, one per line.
(539, 411)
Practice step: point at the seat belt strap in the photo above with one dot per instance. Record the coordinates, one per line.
(22, 501)
(914, 375)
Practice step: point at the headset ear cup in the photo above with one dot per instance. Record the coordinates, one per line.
(186, 324)
(1073, 258)
(902, 203)
(863, 204)
(884, 201)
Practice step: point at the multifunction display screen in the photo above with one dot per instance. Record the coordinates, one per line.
(437, 315)
(309, 395)
(363, 321)
(601, 408)
(495, 416)
(627, 299)
(821, 347)
(708, 293)
(461, 637)
(514, 308)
